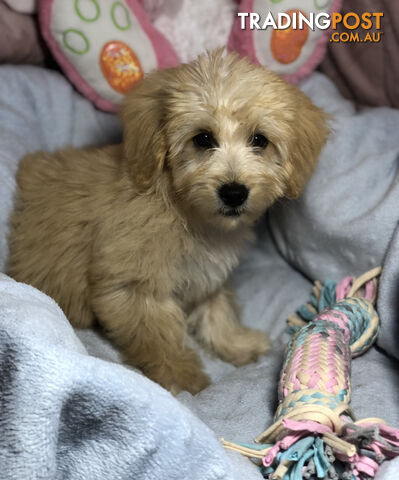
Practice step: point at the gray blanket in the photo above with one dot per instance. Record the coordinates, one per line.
(68, 409)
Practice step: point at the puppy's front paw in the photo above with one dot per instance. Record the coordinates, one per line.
(185, 373)
(193, 383)
(245, 346)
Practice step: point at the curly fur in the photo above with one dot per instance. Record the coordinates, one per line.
(134, 237)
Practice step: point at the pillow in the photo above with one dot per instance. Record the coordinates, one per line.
(367, 73)
(292, 53)
(19, 38)
(22, 6)
(103, 46)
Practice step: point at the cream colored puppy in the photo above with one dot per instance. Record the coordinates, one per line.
(142, 237)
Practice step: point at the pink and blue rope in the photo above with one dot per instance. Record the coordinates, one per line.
(314, 434)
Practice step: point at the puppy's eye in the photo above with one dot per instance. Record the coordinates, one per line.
(259, 141)
(204, 140)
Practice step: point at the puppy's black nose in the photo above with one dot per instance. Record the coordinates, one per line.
(233, 194)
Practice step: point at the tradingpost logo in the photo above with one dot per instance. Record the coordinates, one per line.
(354, 28)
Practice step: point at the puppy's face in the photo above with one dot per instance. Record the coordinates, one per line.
(224, 164)
(231, 137)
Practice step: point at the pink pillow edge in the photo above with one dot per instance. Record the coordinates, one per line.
(244, 38)
(165, 53)
(248, 49)
(159, 43)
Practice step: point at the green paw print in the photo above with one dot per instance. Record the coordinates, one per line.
(105, 43)
(90, 11)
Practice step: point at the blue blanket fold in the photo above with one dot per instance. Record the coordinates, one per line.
(65, 414)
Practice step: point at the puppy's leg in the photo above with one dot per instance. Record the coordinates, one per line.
(151, 336)
(216, 325)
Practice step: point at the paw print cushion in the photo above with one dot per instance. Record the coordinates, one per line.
(292, 53)
(103, 46)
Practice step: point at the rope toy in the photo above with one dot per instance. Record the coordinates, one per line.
(315, 434)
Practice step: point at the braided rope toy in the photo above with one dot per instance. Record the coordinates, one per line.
(315, 434)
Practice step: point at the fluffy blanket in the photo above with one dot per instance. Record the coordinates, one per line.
(68, 409)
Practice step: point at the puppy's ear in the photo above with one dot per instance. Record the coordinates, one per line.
(143, 138)
(310, 133)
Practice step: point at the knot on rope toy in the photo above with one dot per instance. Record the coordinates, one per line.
(315, 433)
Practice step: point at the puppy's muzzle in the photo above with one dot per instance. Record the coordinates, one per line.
(233, 195)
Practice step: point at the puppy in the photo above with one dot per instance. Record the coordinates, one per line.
(142, 237)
